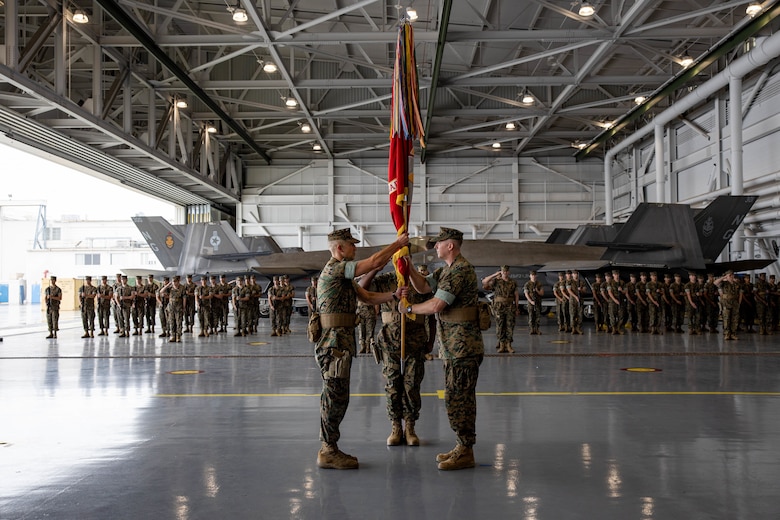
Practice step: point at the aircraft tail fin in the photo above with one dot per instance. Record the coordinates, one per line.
(716, 223)
(657, 235)
(215, 247)
(165, 239)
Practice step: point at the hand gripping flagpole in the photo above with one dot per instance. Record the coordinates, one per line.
(405, 125)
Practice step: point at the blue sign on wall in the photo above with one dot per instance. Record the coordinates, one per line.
(3, 293)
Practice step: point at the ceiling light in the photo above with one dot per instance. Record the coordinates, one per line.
(80, 16)
(290, 102)
(586, 9)
(496, 145)
(528, 99)
(268, 66)
(211, 129)
(580, 145)
(640, 99)
(181, 103)
(753, 9)
(239, 15)
(305, 128)
(316, 147)
(686, 61)
(510, 126)
(411, 13)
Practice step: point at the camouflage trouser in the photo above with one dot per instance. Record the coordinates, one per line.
(117, 315)
(274, 315)
(655, 316)
(242, 318)
(460, 397)
(124, 318)
(138, 316)
(632, 315)
(88, 318)
(730, 318)
(366, 328)
(616, 316)
(53, 319)
(643, 315)
(677, 316)
(534, 316)
(204, 317)
(505, 322)
(104, 317)
(164, 318)
(575, 313)
(402, 390)
(216, 314)
(693, 318)
(764, 317)
(225, 313)
(151, 310)
(175, 319)
(713, 309)
(560, 310)
(598, 315)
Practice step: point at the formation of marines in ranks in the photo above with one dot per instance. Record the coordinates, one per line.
(176, 303)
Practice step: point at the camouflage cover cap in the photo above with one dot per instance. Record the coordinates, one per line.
(342, 234)
(728, 272)
(89, 278)
(446, 233)
(505, 267)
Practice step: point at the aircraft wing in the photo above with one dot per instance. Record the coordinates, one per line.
(739, 265)
(580, 265)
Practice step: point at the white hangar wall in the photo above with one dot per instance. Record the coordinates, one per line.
(492, 197)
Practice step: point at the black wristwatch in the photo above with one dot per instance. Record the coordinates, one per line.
(395, 297)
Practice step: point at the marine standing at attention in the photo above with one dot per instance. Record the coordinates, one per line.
(533, 291)
(455, 298)
(53, 295)
(337, 295)
(87, 295)
(506, 305)
(105, 297)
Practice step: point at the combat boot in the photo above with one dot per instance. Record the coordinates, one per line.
(508, 348)
(396, 435)
(275, 333)
(86, 334)
(462, 458)
(411, 437)
(441, 457)
(330, 457)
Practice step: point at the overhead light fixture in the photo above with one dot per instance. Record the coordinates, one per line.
(80, 16)
(753, 9)
(316, 147)
(306, 128)
(510, 126)
(268, 66)
(496, 145)
(686, 60)
(528, 99)
(586, 9)
(211, 129)
(640, 99)
(239, 15)
(290, 102)
(411, 13)
(181, 103)
(580, 145)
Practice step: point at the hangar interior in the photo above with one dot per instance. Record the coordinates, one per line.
(275, 114)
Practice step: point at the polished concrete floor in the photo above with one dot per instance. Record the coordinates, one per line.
(569, 427)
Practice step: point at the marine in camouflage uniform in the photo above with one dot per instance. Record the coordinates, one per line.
(402, 386)
(506, 300)
(455, 302)
(677, 297)
(288, 295)
(762, 297)
(654, 298)
(692, 304)
(189, 304)
(116, 308)
(311, 295)
(124, 296)
(366, 326)
(139, 306)
(53, 297)
(532, 290)
(225, 292)
(615, 292)
(599, 304)
(152, 288)
(162, 303)
(642, 304)
(177, 294)
(87, 295)
(667, 302)
(337, 295)
(577, 290)
(730, 296)
(255, 293)
(203, 299)
(216, 305)
(561, 302)
(632, 316)
(747, 306)
(275, 306)
(105, 298)
(711, 304)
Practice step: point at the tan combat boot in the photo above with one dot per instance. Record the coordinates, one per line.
(462, 458)
(330, 457)
(396, 435)
(411, 437)
(508, 348)
(441, 457)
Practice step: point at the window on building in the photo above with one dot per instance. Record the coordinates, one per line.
(53, 233)
(88, 259)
